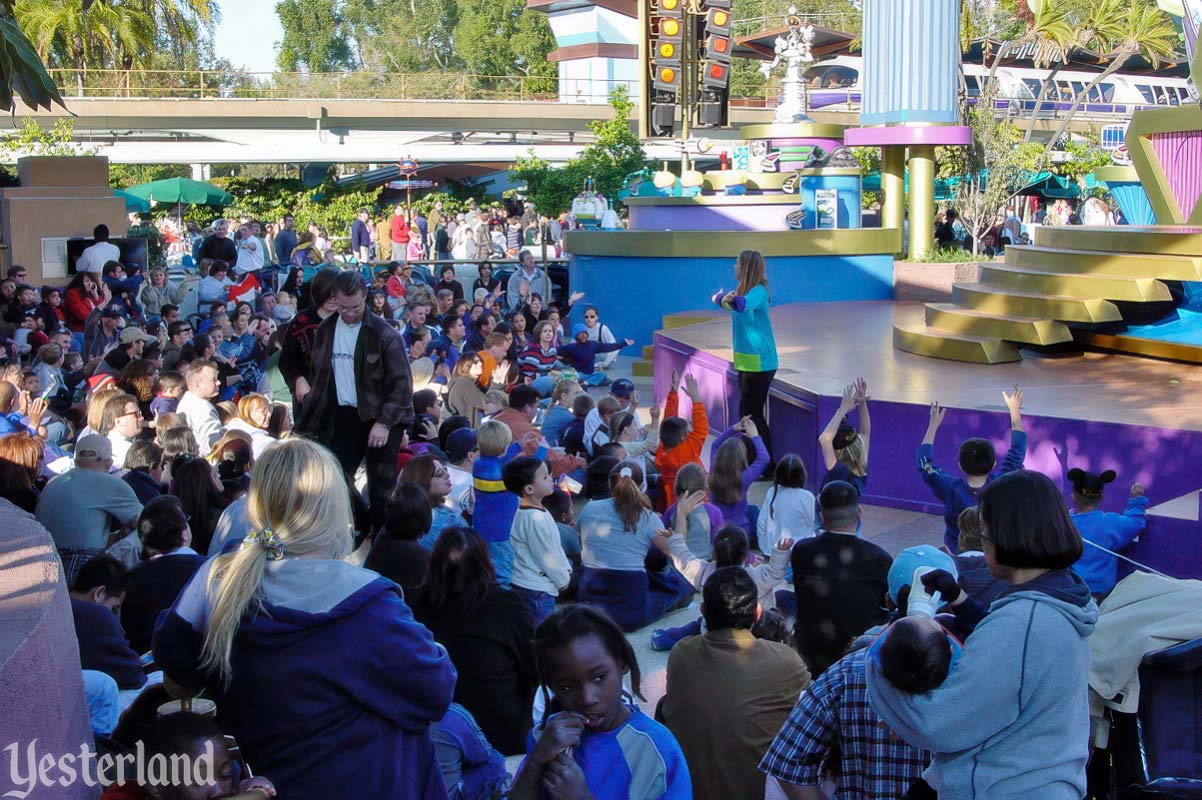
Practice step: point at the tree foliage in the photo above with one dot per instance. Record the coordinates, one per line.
(994, 168)
(315, 37)
(503, 37)
(607, 161)
(31, 139)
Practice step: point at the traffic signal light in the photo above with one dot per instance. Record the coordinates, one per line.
(669, 8)
(715, 74)
(666, 78)
(718, 43)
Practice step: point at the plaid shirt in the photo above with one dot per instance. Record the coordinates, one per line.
(834, 713)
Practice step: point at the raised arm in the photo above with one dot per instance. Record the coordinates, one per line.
(826, 439)
(1014, 402)
(865, 420)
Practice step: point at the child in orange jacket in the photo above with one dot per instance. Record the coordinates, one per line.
(678, 445)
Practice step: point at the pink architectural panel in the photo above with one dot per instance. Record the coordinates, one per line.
(1180, 156)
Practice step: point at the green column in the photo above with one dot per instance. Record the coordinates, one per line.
(922, 199)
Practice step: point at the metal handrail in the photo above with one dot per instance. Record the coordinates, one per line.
(202, 84)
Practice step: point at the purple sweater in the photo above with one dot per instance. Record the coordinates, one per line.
(736, 513)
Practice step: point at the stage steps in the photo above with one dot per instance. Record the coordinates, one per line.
(645, 367)
(1071, 276)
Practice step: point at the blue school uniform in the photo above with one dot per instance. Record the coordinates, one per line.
(638, 760)
(1113, 531)
(842, 472)
(955, 493)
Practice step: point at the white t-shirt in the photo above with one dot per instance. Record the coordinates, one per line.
(345, 339)
(250, 256)
(93, 258)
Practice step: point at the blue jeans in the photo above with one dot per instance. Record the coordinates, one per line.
(595, 379)
(541, 604)
(544, 385)
(501, 554)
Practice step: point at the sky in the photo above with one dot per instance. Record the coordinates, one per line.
(248, 33)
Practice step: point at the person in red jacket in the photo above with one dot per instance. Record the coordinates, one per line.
(400, 236)
(84, 295)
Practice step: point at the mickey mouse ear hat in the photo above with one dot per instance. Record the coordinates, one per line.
(1090, 484)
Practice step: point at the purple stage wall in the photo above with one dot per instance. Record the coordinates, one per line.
(1163, 460)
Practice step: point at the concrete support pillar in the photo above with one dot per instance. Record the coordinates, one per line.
(922, 199)
(201, 172)
(893, 186)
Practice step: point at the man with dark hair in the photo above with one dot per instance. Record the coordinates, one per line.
(361, 237)
(523, 408)
(95, 256)
(96, 595)
(840, 580)
(170, 563)
(285, 240)
(363, 390)
(178, 334)
(729, 692)
(144, 470)
(297, 338)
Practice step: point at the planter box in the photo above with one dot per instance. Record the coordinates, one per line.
(917, 281)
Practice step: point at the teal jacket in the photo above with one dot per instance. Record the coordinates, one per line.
(754, 343)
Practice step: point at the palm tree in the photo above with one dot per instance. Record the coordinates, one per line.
(1055, 40)
(110, 34)
(21, 70)
(1050, 29)
(1129, 29)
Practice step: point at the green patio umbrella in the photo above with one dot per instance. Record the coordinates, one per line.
(181, 190)
(133, 202)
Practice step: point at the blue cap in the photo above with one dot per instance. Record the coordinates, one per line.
(902, 572)
(578, 329)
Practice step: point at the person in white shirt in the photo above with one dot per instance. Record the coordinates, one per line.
(197, 406)
(250, 252)
(95, 256)
(461, 453)
(541, 570)
(788, 508)
(124, 421)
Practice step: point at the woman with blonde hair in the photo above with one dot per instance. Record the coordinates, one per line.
(317, 666)
(156, 292)
(753, 340)
(254, 416)
(845, 450)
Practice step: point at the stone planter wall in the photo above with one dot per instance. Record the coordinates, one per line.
(921, 282)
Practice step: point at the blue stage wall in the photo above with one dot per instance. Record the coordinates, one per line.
(633, 294)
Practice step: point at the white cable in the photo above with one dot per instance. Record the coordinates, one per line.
(1128, 560)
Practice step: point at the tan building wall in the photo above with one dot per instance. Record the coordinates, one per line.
(59, 198)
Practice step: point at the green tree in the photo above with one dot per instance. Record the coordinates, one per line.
(403, 35)
(122, 176)
(995, 167)
(117, 34)
(31, 139)
(315, 37)
(24, 74)
(503, 37)
(615, 154)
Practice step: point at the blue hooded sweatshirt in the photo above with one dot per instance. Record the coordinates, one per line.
(1113, 531)
(334, 683)
(1011, 721)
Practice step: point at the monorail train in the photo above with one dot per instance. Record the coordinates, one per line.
(835, 83)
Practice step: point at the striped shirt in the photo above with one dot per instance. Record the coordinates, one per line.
(535, 362)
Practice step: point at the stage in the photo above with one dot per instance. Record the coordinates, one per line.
(1140, 417)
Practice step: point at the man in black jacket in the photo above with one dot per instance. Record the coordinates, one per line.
(362, 391)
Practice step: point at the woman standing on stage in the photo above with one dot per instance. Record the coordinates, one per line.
(753, 341)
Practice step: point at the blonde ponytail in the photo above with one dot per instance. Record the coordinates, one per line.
(629, 500)
(298, 506)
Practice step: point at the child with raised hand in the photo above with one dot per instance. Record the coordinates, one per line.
(1098, 568)
(844, 451)
(788, 510)
(731, 549)
(731, 476)
(977, 462)
(595, 744)
(540, 567)
(704, 520)
(494, 507)
(680, 443)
